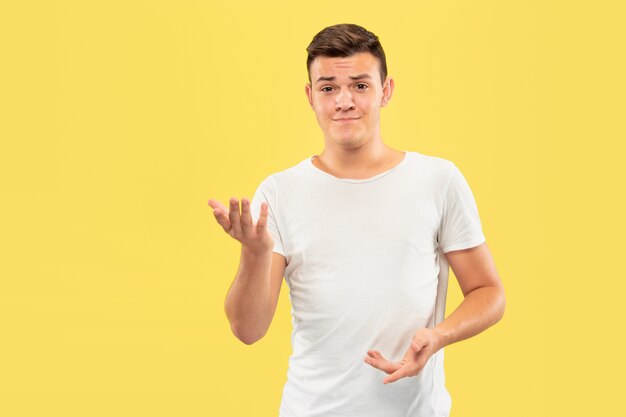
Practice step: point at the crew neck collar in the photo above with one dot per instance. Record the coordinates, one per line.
(309, 162)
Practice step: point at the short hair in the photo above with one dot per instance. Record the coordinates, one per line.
(346, 39)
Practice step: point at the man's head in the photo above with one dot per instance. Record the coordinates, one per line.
(343, 40)
(348, 84)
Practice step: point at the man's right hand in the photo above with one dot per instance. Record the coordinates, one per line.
(254, 237)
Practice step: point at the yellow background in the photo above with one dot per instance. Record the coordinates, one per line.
(120, 119)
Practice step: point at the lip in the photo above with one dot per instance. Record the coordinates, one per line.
(346, 119)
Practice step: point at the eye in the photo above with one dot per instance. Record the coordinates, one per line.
(363, 85)
(324, 89)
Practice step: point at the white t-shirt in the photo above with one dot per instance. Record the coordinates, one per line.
(365, 271)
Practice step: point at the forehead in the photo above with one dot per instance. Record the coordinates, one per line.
(343, 67)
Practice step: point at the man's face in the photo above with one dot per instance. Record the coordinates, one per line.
(346, 95)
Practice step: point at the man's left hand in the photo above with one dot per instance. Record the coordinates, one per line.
(424, 344)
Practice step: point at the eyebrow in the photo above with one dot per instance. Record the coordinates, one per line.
(356, 77)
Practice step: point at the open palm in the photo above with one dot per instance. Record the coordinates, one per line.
(424, 344)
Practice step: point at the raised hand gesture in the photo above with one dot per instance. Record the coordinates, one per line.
(254, 237)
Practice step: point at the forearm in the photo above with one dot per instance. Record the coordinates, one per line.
(247, 304)
(479, 310)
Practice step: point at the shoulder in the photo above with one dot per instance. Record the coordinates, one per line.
(285, 177)
(291, 174)
(435, 168)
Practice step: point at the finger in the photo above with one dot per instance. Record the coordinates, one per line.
(261, 223)
(414, 350)
(246, 218)
(234, 216)
(375, 354)
(418, 344)
(222, 219)
(400, 373)
(382, 364)
(216, 204)
(379, 356)
(220, 213)
(409, 356)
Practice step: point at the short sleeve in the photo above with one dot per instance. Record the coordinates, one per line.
(460, 226)
(266, 192)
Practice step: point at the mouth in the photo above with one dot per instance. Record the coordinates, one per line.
(346, 119)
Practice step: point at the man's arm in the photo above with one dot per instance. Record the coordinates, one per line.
(482, 307)
(252, 297)
(482, 288)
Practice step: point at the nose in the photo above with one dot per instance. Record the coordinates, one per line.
(344, 101)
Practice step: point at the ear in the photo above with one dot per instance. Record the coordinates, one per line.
(308, 91)
(387, 91)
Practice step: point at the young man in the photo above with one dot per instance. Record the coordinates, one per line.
(364, 235)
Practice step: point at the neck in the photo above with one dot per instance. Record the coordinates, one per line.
(362, 161)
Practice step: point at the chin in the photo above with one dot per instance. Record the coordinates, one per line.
(350, 142)
(346, 137)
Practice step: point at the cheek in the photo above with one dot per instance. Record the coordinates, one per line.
(322, 115)
(325, 110)
(374, 108)
(368, 104)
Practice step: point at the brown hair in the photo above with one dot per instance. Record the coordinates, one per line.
(343, 40)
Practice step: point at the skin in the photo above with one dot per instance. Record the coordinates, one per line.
(355, 149)
(240, 226)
